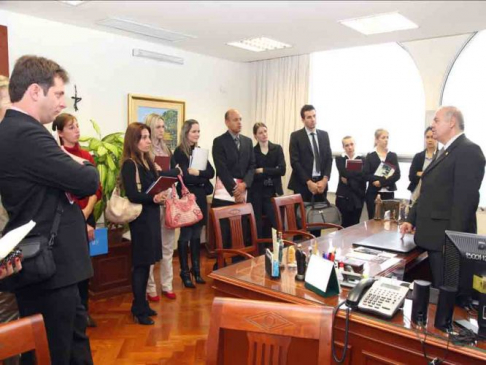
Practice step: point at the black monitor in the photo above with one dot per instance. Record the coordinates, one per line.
(464, 257)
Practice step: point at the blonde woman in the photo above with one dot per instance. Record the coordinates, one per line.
(159, 148)
(198, 183)
(378, 184)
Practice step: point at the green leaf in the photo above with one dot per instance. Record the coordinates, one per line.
(85, 139)
(94, 144)
(111, 164)
(112, 148)
(102, 150)
(96, 127)
(112, 137)
(98, 209)
(102, 170)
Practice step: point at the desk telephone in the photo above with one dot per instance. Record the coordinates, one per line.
(383, 296)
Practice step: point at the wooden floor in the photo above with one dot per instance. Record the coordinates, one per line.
(178, 336)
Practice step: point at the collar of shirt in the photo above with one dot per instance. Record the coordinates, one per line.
(18, 109)
(382, 159)
(308, 131)
(351, 158)
(234, 135)
(447, 145)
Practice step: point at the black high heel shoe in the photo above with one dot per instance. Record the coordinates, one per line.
(151, 312)
(197, 277)
(144, 320)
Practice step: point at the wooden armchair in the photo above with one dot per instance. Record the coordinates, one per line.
(24, 335)
(255, 332)
(235, 214)
(285, 208)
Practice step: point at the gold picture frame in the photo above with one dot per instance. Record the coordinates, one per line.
(172, 111)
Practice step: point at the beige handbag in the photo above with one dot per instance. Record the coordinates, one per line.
(119, 209)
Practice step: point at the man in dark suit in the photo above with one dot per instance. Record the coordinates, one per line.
(310, 158)
(234, 160)
(36, 180)
(449, 195)
(352, 185)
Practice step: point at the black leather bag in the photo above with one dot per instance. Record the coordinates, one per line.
(320, 212)
(37, 259)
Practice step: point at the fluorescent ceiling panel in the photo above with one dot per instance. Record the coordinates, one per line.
(148, 30)
(381, 23)
(259, 44)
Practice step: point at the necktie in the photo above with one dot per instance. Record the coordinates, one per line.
(237, 142)
(441, 151)
(317, 157)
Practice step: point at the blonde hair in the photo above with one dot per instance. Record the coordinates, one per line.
(151, 121)
(185, 145)
(379, 132)
(3, 81)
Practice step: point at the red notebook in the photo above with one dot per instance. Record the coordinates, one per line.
(161, 184)
(163, 162)
(354, 165)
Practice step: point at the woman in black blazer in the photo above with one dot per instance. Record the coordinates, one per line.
(198, 182)
(421, 160)
(267, 183)
(378, 184)
(145, 230)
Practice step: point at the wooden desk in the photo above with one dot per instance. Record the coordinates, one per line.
(371, 340)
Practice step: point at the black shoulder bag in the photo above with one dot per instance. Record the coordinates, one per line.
(37, 258)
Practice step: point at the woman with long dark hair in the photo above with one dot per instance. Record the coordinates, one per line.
(68, 131)
(138, 172)
(198, 183)
(385, 186)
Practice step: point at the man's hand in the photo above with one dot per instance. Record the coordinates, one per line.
(193, 172)
(321, 185)
(259, 170)
(239, 192)
(90, 231)
(377, 184)
(406, 228)
(344, 180)
(312, 186)
(10, 269)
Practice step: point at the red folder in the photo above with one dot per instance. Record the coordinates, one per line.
(161, 184)
(354, 165)
(163, 162)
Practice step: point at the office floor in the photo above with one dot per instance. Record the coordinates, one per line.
(178, 336)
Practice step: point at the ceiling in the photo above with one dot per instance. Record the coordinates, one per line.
(307, 25)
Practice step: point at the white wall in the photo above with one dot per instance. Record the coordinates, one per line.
(105, 72)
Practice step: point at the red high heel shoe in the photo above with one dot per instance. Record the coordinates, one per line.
(169, 294)
(153, 298)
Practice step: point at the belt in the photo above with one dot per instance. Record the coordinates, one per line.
(316, 178)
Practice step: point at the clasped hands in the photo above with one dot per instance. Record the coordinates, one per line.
(239, 192)
(317, 187)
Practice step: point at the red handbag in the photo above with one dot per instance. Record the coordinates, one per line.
(181, 212)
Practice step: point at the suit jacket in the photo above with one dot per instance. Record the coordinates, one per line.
(416, 166)
(354, 191)
(302, 159)
(34, 174)
(232, 163)
(371, 164)
(274, 167)
(449, 195)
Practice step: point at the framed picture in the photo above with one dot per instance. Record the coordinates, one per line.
(172, 111)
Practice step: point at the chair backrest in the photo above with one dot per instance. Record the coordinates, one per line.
(235, 214)
(24, 335)
(255, 332)
(284, 207)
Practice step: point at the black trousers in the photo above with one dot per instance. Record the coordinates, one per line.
(263, 206)
(65, 322)
(370, 201)
(140, 276)
(83, 287)
(436, 262)
(349, 217)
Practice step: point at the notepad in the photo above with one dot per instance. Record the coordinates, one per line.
(199, 159)
(163, 162)
(161, 184)
(354, 165)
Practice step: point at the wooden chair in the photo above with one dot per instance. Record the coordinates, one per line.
(284, 207)
(255, 332)
(24, 335)
(235, 214)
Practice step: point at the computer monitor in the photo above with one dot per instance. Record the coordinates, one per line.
(464, 257)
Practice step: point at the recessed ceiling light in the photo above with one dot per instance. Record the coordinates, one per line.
(259, 44)
(381, 23)
(73, 3)
(148, 30)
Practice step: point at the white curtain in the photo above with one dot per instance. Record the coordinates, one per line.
(280, 88)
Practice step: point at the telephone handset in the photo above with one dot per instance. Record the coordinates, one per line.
(383, 296)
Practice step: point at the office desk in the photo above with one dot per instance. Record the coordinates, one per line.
(371, 340)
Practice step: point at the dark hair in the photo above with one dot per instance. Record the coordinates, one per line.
(427, 130)
(133, 135)
(61, 121)
(30, 70)
(184, 145)
(258, 126)
(306, 108)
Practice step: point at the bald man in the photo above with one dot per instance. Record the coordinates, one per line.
(449, 195)
(234, 160)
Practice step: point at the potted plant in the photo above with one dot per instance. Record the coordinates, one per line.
(106, 152)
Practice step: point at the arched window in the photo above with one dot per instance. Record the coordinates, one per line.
(466, 89)
(358, 90)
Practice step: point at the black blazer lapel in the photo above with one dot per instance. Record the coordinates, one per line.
(444, 155)
(305, 139)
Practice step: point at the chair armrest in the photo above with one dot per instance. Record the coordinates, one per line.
(288, 243)
(308, 235)
(325, 226)
(236, 252)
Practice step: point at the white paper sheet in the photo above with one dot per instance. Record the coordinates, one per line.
(199, 159)
(9, 241)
